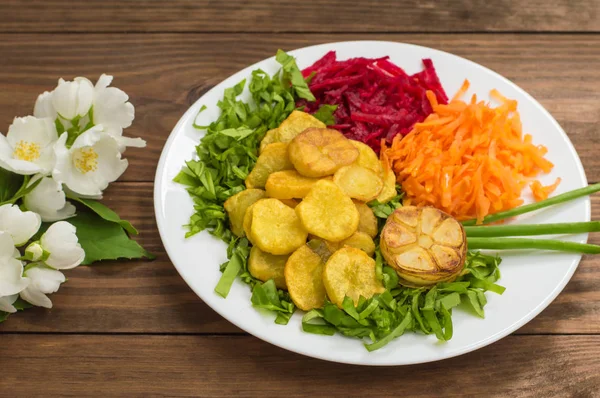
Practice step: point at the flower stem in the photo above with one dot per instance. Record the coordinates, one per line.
(564, 197)
(485, 231)
(525, 243)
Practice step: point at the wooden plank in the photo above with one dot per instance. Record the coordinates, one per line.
(150, 297)
(517, 366)
(290, 16)
(165, 73)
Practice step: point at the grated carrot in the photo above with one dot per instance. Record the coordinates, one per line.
(469, 159)
(541, 192)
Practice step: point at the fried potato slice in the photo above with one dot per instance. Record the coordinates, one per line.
(269, 138)
(237, 205)
(264, 266)
(362, 241)
(367, 222)
(367, 157)
(389, 187)
(289, 202)
(276, 228)
(274, 158)
(350, 272)
(288, 184)
(247, 222)
(304, 278)
(328, 213)
(296, 123)
(321, 152)
(358, 240)
(358, 182)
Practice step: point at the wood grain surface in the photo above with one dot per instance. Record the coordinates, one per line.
(299, 16)
(136, 329)
(243, 366)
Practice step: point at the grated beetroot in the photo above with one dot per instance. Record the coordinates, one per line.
(376, 99)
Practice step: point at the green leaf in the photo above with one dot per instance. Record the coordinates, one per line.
(105, 240)
(21, 304)
(292, 74)
(23, 190)
(3, 316)
(475, 303)
(398, 331)
(450, 301)
(266, 296)
(106, 213)
(238, 133)
(325, 114)
(9, 185)
(312, 322)
(233, 268)
(390, 277)
(383, 210)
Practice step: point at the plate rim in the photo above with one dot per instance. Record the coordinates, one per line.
(470, 348)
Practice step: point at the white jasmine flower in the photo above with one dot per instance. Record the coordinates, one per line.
(73, 99)
(43, 281)
(43, 106)
(20, 225)
(62, 246)
(113, 111)
(11, 271)
(92, 162)
(28, 146)
(49, 201)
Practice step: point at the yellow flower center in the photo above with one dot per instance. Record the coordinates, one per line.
(85, 159)
(25, 150)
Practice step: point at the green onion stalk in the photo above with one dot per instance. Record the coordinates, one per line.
(501, 237)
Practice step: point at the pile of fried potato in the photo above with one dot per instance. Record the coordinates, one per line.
(310, 183)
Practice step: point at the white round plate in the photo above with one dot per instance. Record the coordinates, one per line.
(532, 279)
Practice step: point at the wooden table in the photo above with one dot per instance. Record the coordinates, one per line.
(130, 328)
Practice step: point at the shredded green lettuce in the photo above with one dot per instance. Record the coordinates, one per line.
(325, 114)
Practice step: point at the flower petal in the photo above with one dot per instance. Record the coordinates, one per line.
(111, 166)
(44, 279)
(43, 106)
(48, 200)
(112, 110)
(6, 303)
(21, 225)
(11, 277)
(103, 81)
(35, 297)
(125, 142)
(7, 246)
(63, 245)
